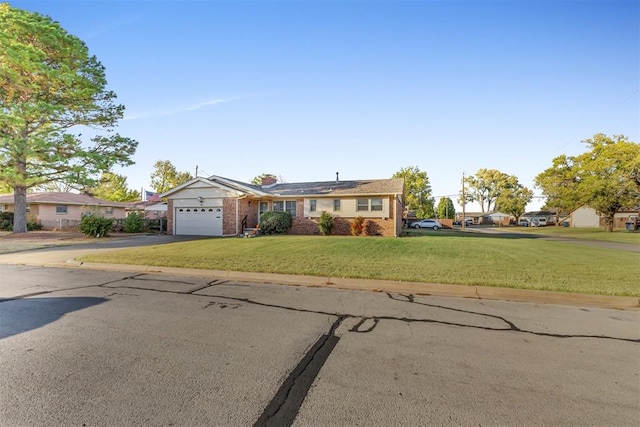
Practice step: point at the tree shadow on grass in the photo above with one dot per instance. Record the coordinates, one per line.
(22, 315)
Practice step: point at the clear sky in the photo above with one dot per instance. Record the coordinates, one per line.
(305, 89)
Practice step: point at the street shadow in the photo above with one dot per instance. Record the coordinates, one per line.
(22, 315)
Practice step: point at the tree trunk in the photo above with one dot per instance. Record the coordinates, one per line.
(608, 222)
(20, 209)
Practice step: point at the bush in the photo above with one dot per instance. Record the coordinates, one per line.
(95, 225)
(33, 226)
(275, 222)
(6, 221)
(325, 223)
(134, 223)
(357, 226)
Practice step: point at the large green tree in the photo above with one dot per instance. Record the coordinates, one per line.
(485, 187)
(5, 188)
(605, 177)
(57, 186)
(112, 186)
(417, 191)
(50, 89)
(446, 209)
(165, 176)
(514, 199)
(559, 184)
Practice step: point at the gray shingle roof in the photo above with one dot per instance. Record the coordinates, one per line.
(361, 187)
(327, 188)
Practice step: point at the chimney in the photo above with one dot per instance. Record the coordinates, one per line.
(268, 180)
(337, 176)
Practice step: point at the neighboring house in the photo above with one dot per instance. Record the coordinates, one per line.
(543, 217)
(469, 217)
(496, 218)
(63, 210)
(586, 216)
(148, 209)
(218, 206)
(485, 218)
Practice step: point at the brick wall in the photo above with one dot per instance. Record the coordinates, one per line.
(229, 216)
(250, 209)
(342, 226)
(170, 217)
(300, 226)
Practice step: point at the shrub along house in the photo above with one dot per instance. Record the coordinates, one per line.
(218, 206)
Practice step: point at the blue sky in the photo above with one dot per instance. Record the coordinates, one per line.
(305, 89)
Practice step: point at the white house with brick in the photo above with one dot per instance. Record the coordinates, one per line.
(586, 216)
(218, 206)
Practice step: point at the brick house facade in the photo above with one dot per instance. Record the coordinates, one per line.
(236, 205)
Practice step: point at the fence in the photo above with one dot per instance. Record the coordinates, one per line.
(158, 225)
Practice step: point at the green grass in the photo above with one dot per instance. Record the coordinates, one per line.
(620, 236)
(435, 257)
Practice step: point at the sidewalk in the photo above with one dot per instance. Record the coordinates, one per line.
(66, 257)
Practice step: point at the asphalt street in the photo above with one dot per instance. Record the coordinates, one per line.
(83, 347)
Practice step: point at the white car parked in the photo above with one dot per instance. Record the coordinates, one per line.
(427, 223)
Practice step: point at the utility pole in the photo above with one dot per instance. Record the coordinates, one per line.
(464, 202)
(196, 171)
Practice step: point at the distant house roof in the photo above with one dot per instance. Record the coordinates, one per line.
(57, 198)
(393, 186)
(495, 214)
(539, 213)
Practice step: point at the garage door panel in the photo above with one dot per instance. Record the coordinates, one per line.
(198, 221)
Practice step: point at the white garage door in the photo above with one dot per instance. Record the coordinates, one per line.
(198, 221)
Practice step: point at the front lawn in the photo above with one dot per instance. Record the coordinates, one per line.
(433, 257)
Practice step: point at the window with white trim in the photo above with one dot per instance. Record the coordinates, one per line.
(312, 205)
(362, 205)
(336, 205)
(369, 205)
(285, 205)
(61, 210)
(262, 208)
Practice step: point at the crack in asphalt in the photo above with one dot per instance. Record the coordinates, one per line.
(411, 299)
(356, 327)
(283, 408)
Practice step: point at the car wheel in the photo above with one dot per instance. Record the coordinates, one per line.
(416, 226)
(435, 227)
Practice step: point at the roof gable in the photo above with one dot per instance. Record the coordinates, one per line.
(213, 182)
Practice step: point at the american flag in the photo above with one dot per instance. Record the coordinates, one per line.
(150, 196)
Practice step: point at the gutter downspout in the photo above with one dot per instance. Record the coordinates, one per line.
(237, 211)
